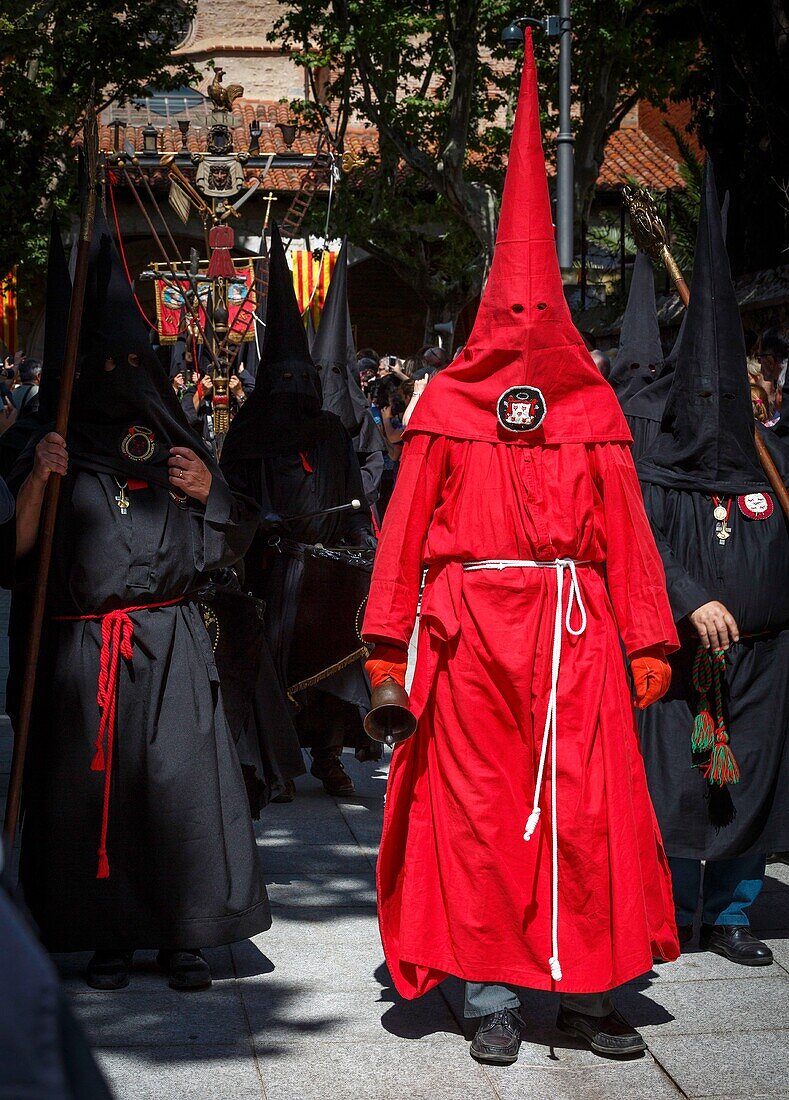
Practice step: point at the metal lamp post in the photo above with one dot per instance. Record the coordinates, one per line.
(557, 26)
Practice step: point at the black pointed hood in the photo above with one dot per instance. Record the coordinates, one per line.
(283, 414)
(56, 323)
(706, 442)
(330, 348)
(649, 402)
(124, 419)
(640, 352)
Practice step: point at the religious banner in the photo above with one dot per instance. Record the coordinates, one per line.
(312, 273)
(8, 312)
(174, 316)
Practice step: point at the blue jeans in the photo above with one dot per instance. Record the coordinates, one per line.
(730, 888)
(485, 997)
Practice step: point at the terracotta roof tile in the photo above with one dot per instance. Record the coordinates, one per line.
(632, 153)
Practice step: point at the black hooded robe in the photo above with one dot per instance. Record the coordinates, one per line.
(703, 450)
(182, 858)
(697, 820)
(139, 837)
(294, 458)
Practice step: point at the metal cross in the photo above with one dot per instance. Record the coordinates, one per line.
(122, 500)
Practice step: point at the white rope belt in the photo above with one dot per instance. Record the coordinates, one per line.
(562, 620)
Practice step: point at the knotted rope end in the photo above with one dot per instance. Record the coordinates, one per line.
(532, 823)
(556, 970)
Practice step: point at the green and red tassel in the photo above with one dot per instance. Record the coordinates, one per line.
(709, 730)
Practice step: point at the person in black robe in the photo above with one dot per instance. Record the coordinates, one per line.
(716, 745)
(136, 830)
(296, 459)
(333, 353)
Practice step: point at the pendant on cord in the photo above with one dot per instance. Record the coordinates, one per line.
(721, 514)
(121, 499)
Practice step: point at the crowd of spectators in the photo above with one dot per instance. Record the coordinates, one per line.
(393, 386)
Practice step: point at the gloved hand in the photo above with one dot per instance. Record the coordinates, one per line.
(651, 676)
(386, 662)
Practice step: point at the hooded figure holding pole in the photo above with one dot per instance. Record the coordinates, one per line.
(716, 744)
(519, 845)
(129, 740)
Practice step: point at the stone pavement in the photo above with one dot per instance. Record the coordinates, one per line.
(306, 1011)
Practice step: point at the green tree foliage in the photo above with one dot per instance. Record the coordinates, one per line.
(433, 79)
(52, 52)
(744, 123)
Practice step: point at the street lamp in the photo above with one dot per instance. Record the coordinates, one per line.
(559, 26)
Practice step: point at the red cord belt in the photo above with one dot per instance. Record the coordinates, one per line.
(117, 635)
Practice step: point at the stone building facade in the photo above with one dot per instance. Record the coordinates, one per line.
(234, 34)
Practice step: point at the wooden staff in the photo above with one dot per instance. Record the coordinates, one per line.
(650, 236)
(52, 493)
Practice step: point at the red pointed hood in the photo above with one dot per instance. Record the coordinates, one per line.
(525, 375)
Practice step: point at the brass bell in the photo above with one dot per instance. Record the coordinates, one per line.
(390, 721)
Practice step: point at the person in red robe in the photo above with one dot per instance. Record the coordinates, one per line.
(520, 847)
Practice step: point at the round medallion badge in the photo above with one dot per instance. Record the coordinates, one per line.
(521, 409)
(138, 443)
(755, 505)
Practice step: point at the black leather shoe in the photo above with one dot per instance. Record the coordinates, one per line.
(109, 970)
(498, 1038)
(735, 942)
(333, 776)
(611, 1035)
(187, 970)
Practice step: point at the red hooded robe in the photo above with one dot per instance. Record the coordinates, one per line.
(518, 450)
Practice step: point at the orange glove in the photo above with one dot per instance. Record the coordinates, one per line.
(651, 676)
(387, 662)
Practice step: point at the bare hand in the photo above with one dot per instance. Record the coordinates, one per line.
(208, 385)
(419, 386)
(189, 474)
(51, 458)
(235, 387)
(715, 625)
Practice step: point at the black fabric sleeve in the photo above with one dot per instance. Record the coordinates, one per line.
(685, 593)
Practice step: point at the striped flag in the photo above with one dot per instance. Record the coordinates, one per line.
(311, 280)
(8, 312)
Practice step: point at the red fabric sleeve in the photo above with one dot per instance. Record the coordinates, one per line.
(394, 592)
(636, 579)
